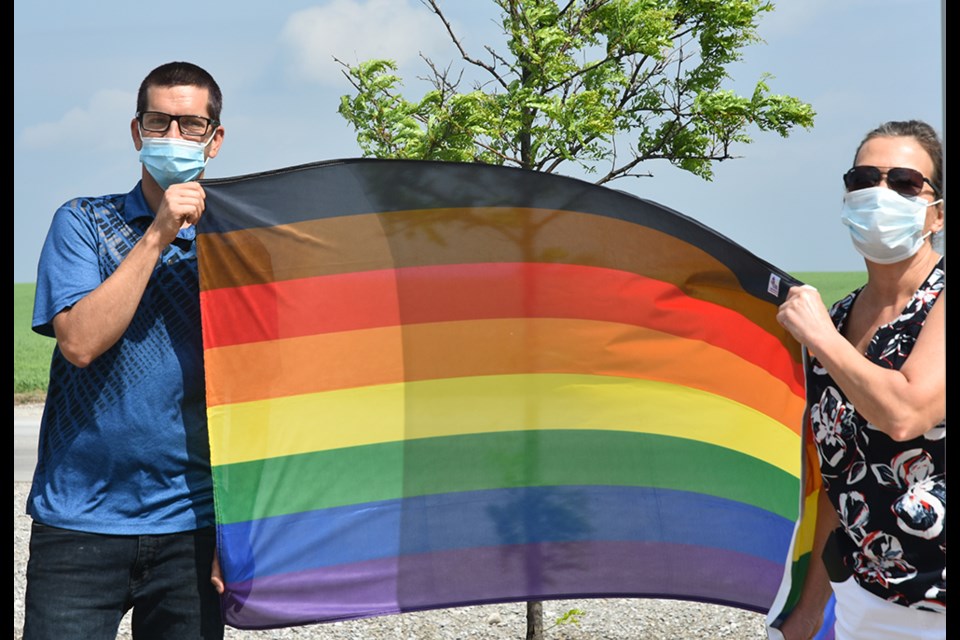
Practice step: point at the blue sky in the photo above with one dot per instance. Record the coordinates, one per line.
(77, 66)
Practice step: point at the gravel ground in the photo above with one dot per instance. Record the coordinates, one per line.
(602, 619)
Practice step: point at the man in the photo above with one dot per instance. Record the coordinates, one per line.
(122, 499)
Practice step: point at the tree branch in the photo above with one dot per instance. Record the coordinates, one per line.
(433, 6)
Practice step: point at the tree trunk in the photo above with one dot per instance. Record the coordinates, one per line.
(535, 620)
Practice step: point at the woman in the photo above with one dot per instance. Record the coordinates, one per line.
(876, 401)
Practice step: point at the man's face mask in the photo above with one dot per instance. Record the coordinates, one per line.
(173, 160)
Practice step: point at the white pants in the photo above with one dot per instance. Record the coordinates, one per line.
(864, 616)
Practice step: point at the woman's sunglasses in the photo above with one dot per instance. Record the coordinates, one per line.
(906, 182)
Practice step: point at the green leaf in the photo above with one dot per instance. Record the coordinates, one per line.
(575, 80)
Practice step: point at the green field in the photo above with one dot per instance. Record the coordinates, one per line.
(31, 352)
(832, 285)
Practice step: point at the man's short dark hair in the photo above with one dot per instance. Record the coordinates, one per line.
(178, 74)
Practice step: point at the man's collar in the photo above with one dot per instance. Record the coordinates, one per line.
(136, 207)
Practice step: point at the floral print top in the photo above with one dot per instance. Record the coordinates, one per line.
(891, 496)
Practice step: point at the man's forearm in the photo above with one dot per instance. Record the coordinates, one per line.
(94, 324)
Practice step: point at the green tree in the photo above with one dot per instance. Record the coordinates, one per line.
(604, 84)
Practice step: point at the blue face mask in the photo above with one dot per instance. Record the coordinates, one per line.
(173, 160)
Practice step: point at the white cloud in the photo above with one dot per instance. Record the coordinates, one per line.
(353, 30)
(103, 124)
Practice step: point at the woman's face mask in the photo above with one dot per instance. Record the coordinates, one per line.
(885, 226)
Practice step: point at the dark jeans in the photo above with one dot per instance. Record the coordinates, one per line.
(79, 585)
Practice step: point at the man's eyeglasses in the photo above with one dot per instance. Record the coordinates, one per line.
(906, 182)
(159, 122)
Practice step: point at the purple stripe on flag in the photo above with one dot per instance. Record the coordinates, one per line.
(503, 574)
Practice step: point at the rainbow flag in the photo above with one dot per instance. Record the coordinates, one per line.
(433, 385)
